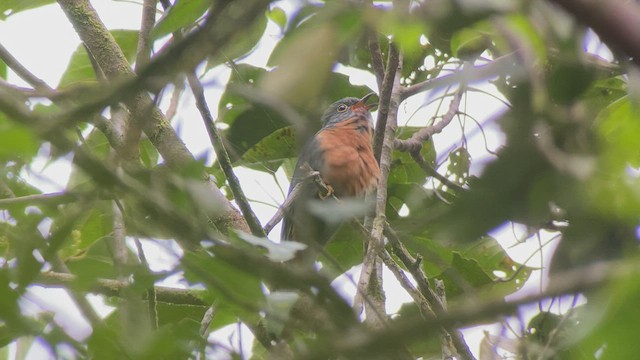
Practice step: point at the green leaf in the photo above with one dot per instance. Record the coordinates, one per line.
(278, 16)
(12, 7)
(3, 70)
(482, 265)
(18, 142)
(171, 341)
(345, 250)
(231, 104)
(240, 290)
(182, 14)
(149, 154)
(429, 347)
(277, 252)
(404, 169)
(522, 27)
(619, 128)
(269, 153)
(93, 263)
(459, 163)
(566, 80)
(80, 70)
(469, 43)
(241, 43)
(613, 321)
(603, 92)
(279, 305)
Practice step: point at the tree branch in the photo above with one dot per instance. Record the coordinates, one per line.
(385, 99)
(24, 73)
(370, 281)
(223, 158)
(110, 287)
(439, 310)
(115, 66)
(51, 198)
(143, 53)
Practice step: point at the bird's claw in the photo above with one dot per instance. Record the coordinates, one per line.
(329, 193)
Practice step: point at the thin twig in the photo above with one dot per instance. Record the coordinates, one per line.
(50, 198)
(424, 165)
(223, 157)
(293, 195)
(178, 88)
(208, 317)
(23, 72)
(404, 281)
(414, 143)
(152, 298)
(500, 66)
(143, 53)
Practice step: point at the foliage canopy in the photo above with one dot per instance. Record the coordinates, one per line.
(556, 159)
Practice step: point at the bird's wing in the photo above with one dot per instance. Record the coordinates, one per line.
(312, 154)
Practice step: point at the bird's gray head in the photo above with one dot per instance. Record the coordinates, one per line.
(345, 109)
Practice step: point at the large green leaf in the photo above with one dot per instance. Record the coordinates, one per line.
(619, 127)
(241, 43)
(612, 322)
(182, 14)
(479, 266)
(269, 153)
(238, 290)
(12, 7)
(345, 250)
(80, 70)
(18, 142)
(89, 264)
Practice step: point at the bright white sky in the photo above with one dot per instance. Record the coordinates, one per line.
(43, 41)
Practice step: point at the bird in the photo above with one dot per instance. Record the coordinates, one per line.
(342, 152)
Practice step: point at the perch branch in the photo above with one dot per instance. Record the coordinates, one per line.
(293, 195)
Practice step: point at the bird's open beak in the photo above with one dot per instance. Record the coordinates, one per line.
(364, 103)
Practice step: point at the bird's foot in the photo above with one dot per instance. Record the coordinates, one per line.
(329, 192)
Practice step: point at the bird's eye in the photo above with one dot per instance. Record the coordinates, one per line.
(342, 108)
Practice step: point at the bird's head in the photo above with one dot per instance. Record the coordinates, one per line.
(348, 108)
